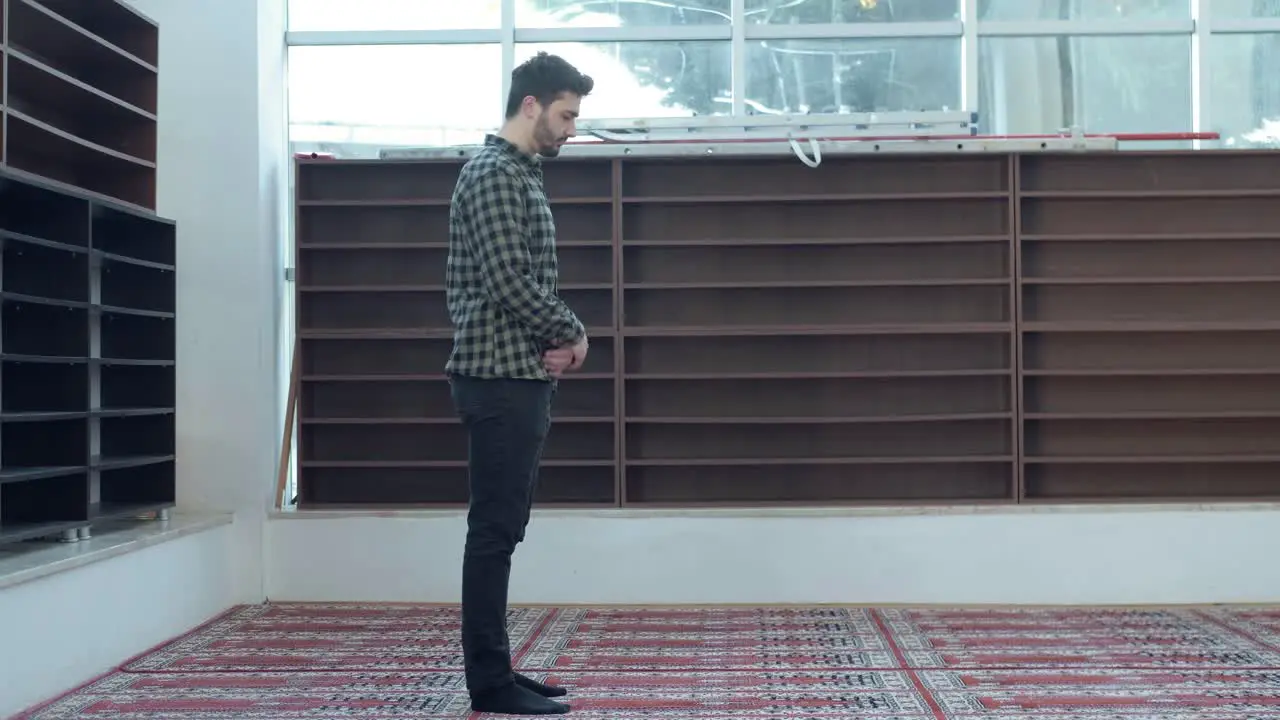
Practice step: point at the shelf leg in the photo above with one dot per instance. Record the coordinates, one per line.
(84, 533)
(70, 536)
(162, 515)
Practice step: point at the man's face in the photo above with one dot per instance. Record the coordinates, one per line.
(555, 124)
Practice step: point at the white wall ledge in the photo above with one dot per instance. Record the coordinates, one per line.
(1075, 554)
(797, 512)
(25, 562)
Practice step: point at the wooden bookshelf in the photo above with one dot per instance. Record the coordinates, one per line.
(1150, 326)
(734, 355)
(376, 422)
(828, 335)
(80, 96)
(87, 357)
(984, 328)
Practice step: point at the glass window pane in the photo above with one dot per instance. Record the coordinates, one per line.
(616, 13)
(648, 79)
(857, 75)
(1235, 9)
(783, 12)
(1100, 84)
(394, 14)
(1244, 89)
(353, 100)
(1083, 9)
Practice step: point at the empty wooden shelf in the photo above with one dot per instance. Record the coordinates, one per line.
(80, 96)
(749, 345)
(829, 335)
(376, 422)
(978, 328)
(87, 309)
(1150, 317)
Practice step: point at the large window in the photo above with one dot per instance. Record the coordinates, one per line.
(611, 13)
(1110, 83)
(654, 78)
(365, 75)
(1105, 10)
(1244, 86)
(376, 15)
(856, 75)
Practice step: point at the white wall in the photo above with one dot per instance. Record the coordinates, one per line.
(62, 630)
(222, 177)
(1076, 555)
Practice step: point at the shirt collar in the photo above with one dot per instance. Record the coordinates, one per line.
(509, 148)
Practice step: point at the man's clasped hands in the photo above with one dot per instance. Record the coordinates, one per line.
(566, 357)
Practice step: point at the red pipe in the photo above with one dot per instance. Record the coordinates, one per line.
(1127, 137)
(1122, 137)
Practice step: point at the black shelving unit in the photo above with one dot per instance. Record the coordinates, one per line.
(87, 359)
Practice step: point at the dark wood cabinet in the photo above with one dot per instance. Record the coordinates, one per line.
(87, 359)
(1150, 326)
(87, 275)
(967, 328)
(80, 96)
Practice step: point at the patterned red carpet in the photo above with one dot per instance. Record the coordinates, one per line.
(285, 661)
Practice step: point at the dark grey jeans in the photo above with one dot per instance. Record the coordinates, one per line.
(507, 423)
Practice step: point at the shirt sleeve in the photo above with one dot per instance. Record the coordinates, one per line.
(498, 220)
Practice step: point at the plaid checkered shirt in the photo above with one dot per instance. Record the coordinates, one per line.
(502, 273)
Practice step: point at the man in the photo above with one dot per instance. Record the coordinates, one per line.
(513, 337)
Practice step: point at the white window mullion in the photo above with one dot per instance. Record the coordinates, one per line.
(1056, 28)
(970, 57)
(1201, 111)
(1250, 26)
(738, 56)
(851, 31)
(508, 50)
(392, 37)
(624, 33)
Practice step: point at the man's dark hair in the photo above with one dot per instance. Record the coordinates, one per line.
(545, 77)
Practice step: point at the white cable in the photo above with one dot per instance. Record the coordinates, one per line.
(817, 153)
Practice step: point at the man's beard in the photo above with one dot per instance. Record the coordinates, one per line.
(548, 144)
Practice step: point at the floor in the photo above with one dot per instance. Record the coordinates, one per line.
(284, 661)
